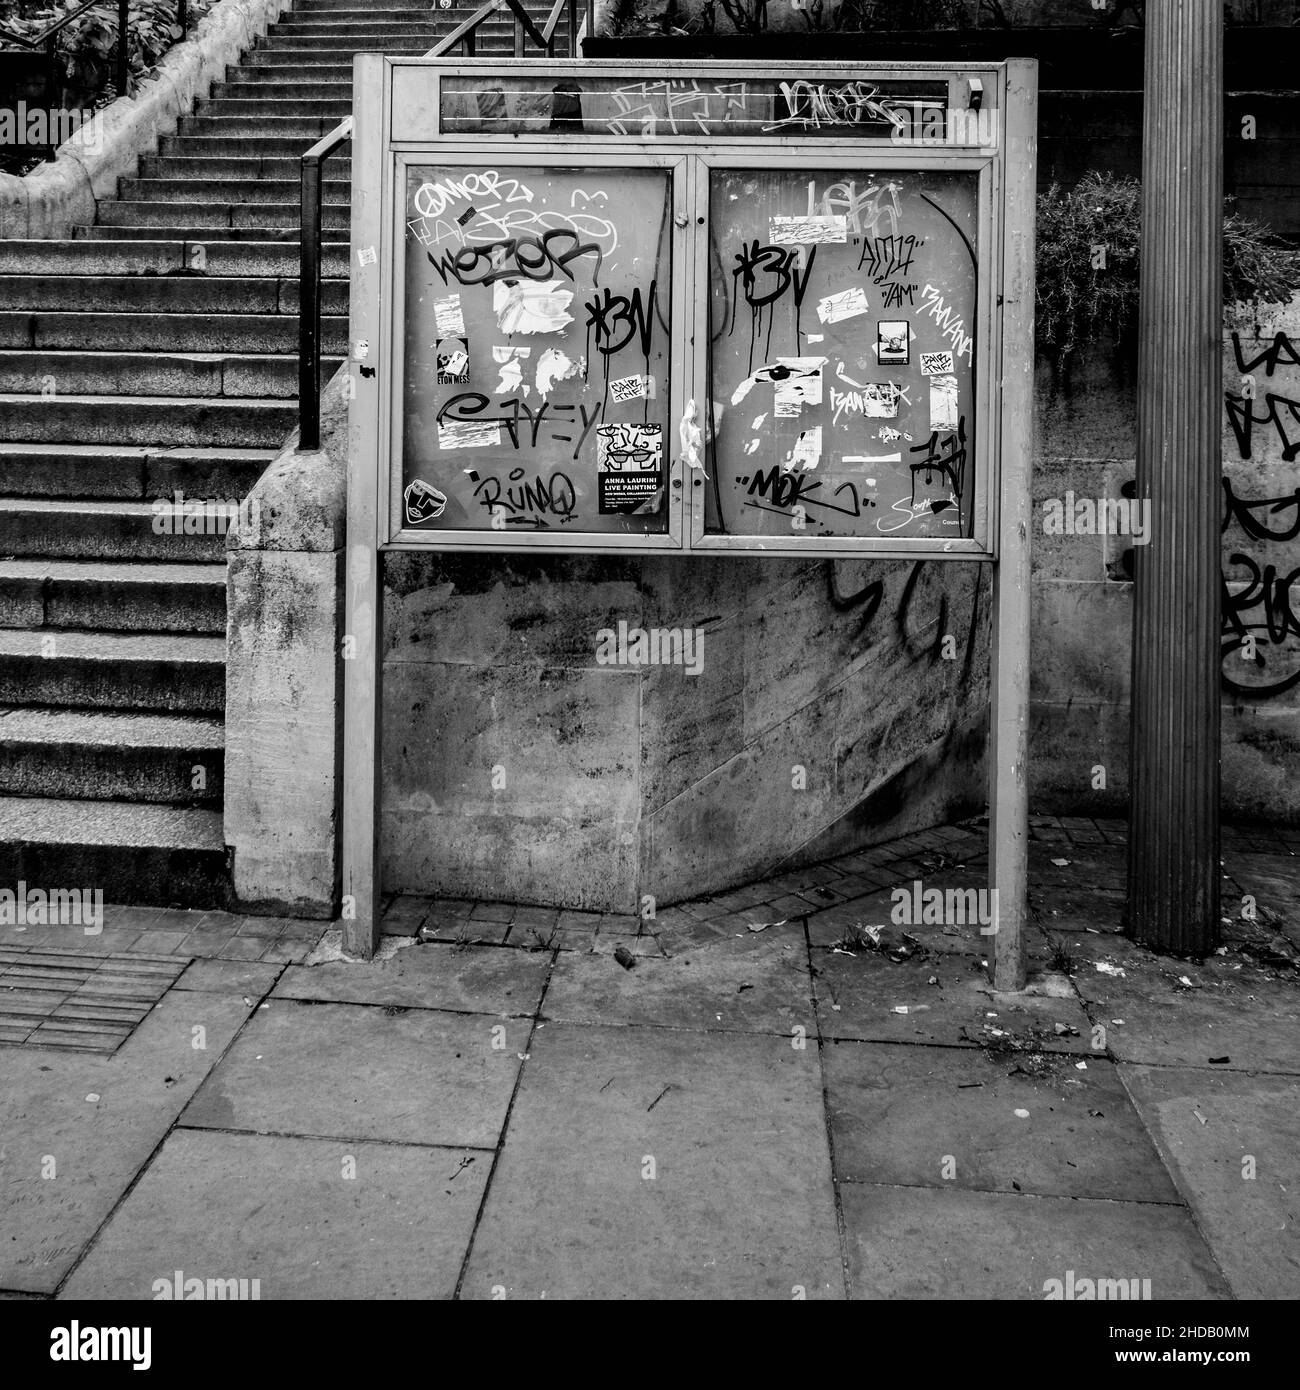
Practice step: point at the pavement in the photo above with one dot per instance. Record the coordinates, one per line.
(775, 1093)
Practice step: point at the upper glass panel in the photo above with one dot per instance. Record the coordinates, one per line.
(842, 353)
(664, 107)
(537, 332)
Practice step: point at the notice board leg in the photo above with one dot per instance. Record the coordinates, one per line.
(1009, 734)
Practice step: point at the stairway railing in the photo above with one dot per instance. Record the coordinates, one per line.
(463, 35)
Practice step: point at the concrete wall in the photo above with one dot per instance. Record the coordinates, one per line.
(827, 714)
(1082, 600)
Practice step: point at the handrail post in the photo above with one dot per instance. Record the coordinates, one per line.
(53, 92)
(182, 15)
(519, 37)
(123, 29)
(573, 28)
(309, 305)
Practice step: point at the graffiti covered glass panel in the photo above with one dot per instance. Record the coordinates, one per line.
(537, 350)
(842, 353)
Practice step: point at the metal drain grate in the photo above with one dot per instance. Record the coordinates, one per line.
(79, 1000)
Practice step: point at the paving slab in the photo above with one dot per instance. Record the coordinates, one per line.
(324, 1070)
(1232, 1008)
(899, 1113)
(472, 979)
(1206, 1126)
(908, 1243)
(98, 1119)
(755, 983)
(249, 977)
(291, 1219)
(948, 999)
(740, 1205)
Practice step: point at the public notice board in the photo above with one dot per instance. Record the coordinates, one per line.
(686, 313)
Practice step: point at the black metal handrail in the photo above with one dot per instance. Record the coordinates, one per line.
(45, 39)
(309, 284)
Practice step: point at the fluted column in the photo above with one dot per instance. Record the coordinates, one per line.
(1173, 864)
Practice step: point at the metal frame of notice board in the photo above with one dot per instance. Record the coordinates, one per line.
(687, 128)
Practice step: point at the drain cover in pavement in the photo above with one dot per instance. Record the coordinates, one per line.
(85, 1001)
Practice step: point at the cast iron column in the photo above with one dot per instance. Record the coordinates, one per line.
(1173, 849)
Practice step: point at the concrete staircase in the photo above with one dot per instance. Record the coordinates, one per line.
(152, 354)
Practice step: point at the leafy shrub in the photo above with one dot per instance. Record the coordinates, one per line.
(1082, 296)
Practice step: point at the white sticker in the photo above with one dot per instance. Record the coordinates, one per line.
(815, 337)
(367, 255)
(835, 308)
(361, 349)
(469, 434)
(510, 359)
(529, 306)
(943, 403)
(936, 364)
(807, 452)
(808, 231)
(629, 388)
(873, 458)
(448, 317)
(554, 365)
(780, 372)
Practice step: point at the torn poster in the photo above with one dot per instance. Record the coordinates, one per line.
(936, 363)
(629, 388)
(835, 308)
(943, 403)
(892, 341)
(554, 365)
(807, 451)
(510, 360)
(469, 434)
(527, 306)
(629, 464)
(808, 231)
(448, 317)
(784, 370)
(423, 502)
(453, 360)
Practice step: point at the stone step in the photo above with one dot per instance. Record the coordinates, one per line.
(201, 192)
(235, 146)
(114, 595)
(334, 45)
(176, 257)
(111, 756)
(201, 217)
(284, 89)
(276, 68)
(257, 424)
(242, 334)
(135, 852)
(113, 670)
(304, 131)
(106, 471)
(264, 294)
(121, 373)
(227, 238)
(206, 168)
(108, 529)
(366, 28)
(331, 107)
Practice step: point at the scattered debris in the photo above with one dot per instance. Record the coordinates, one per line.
(1107, 968)
(1097, 1114)
(464, 1163)
(93, 1097)
(606, 1086)
(1022, 1114)
(1061, 863)
(624, 957)
(746, 985)
(1199, 1116)
(1219, 1061)
(968, 1085)
(1016, 1185)
(1081, 1066)
(763, 926)
(1065, 1030)
(1187, 983)
(910, 1008)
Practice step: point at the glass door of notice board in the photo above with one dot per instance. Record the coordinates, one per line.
(844, 355)
(541, 381)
